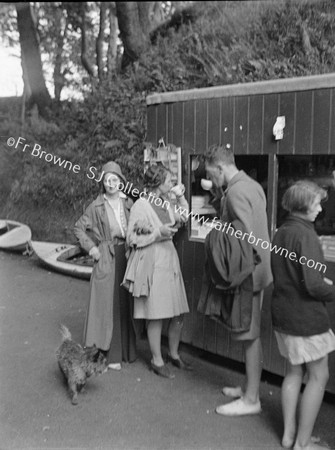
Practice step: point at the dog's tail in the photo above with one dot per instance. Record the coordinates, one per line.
(66, 335)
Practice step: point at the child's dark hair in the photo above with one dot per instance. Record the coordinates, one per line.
(155, 176)
(300, 196)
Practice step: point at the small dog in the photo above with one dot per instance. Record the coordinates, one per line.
(78, 363)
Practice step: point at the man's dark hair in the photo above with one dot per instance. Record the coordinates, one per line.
(219, 153)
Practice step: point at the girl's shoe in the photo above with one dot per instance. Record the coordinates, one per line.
(163, 371)
(180, 363)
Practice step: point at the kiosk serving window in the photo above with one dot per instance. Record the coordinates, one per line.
(317, 168)
(205, 204)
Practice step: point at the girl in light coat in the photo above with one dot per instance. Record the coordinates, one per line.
(153, 272)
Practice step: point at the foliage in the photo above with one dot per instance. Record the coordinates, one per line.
(227, 42)
(233, 42)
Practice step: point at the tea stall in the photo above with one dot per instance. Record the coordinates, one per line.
(280, 131)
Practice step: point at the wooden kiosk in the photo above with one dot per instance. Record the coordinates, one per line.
(243, 116)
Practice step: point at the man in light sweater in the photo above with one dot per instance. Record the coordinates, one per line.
(244, 199)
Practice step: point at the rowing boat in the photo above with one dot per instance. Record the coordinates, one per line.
(65, 258)
(14, 235)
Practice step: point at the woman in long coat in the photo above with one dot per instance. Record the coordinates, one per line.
(101, 231)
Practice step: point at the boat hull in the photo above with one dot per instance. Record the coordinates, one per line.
(64, 258)
(14, 235)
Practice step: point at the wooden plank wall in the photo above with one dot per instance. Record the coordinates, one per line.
(246, 122)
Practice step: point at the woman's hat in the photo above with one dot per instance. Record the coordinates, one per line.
(113, 167)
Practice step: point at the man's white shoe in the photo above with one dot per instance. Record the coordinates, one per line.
(114, 366)
(239, 408)
(232, 391)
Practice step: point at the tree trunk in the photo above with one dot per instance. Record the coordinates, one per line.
(26, 86)
(156, 15)
(58, 76)
(84, 58)
(112, 42)
(31, 58)
(144, 9)
(100, 39)
(134, 38)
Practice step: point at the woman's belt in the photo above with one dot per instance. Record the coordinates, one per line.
(111, 242)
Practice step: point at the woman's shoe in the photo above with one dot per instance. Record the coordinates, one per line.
(163, 371)
(178, 362)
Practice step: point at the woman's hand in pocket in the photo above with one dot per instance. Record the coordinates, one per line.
(95, 253)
